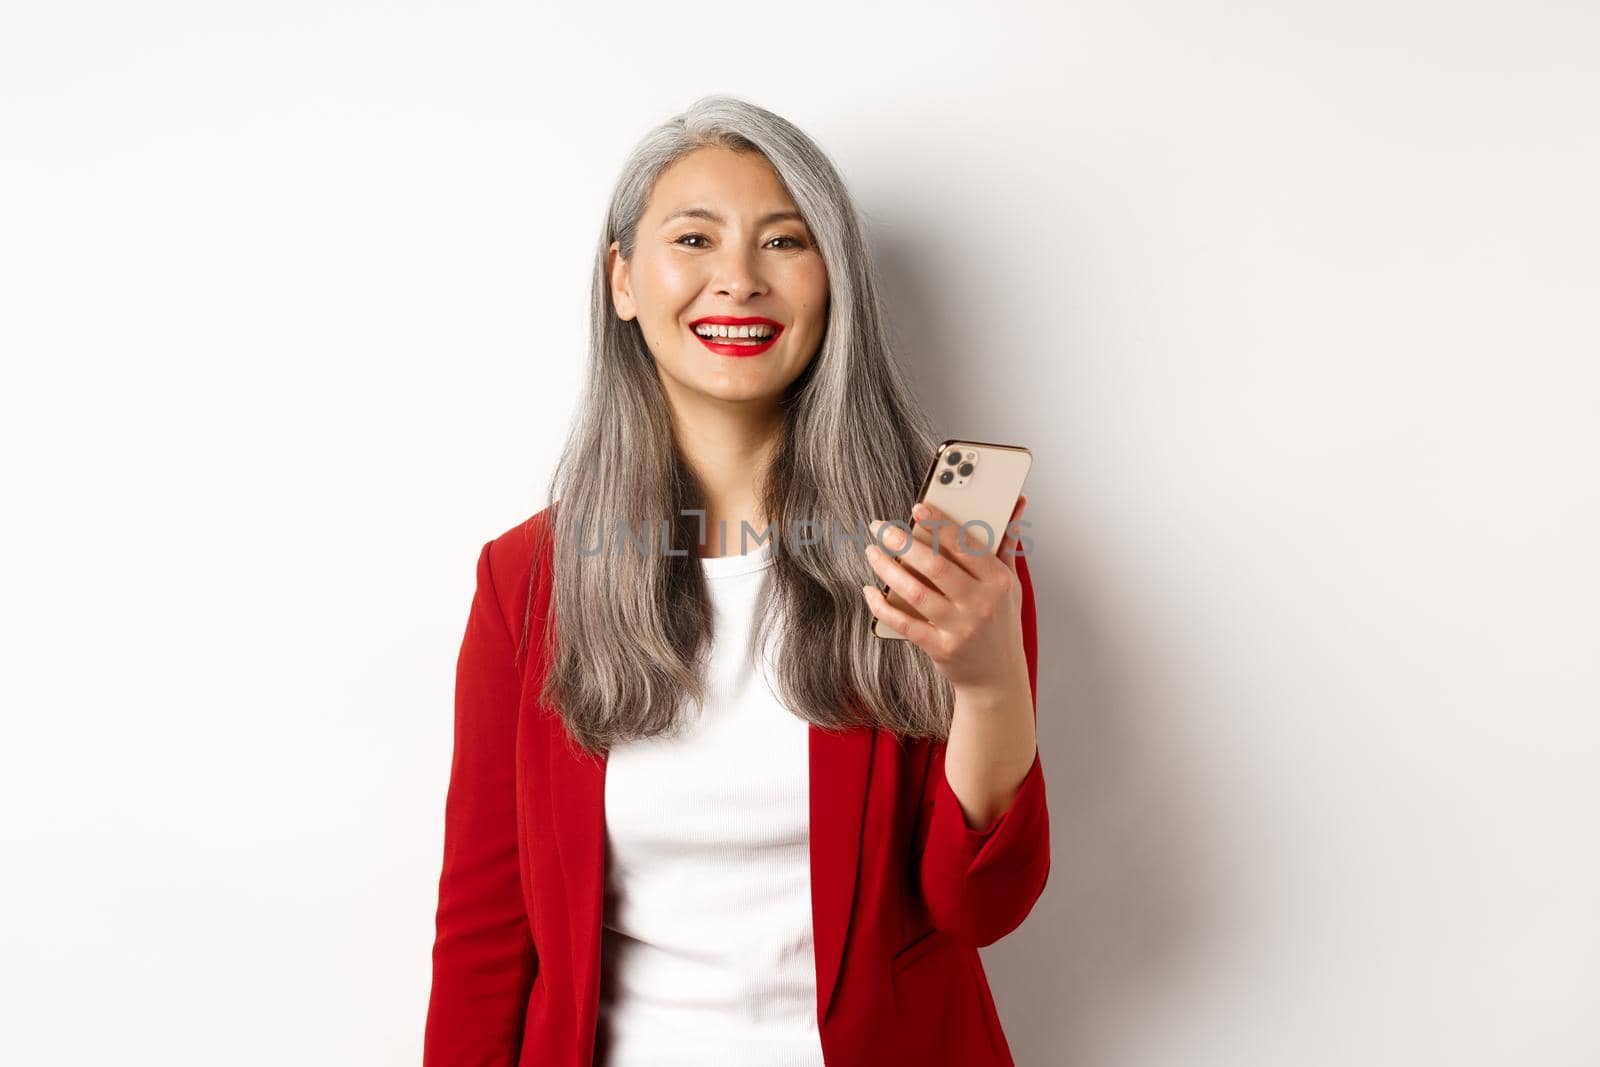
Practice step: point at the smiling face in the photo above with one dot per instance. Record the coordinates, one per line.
(722, 247)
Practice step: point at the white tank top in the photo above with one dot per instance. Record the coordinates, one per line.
(707, 953)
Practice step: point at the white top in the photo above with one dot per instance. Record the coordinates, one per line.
(707, 953)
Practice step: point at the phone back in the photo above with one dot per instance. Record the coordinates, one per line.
(971, 482)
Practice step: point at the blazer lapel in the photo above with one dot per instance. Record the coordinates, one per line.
(840, 769)
(577, 798)
(841, 763)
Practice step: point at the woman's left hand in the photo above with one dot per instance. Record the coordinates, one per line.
(971, 625)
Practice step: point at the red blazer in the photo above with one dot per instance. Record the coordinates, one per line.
(904, 892)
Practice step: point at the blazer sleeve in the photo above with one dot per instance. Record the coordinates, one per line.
(979, 884)
(483, 952)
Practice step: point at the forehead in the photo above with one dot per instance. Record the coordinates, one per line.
(716, 184)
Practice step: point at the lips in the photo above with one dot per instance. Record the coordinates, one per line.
(737, 347)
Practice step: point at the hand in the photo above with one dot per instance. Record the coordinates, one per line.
(970, 602)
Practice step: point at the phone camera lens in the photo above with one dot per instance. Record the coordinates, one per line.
(966, 469)
(945, 477)
(952, 457)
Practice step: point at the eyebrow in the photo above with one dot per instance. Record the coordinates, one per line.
(711, 216)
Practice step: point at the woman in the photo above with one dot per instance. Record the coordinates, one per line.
(798, 863)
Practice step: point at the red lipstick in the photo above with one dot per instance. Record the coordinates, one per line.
(737, 347)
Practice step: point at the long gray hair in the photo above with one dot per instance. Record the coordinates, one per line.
(631, 629)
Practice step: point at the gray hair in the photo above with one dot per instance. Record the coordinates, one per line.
(631, 630)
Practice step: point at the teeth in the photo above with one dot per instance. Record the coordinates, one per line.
(749, 332)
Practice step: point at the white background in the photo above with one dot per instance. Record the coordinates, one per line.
(1293, 303)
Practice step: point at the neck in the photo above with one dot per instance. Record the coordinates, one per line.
(728, 447)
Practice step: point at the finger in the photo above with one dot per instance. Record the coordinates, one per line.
(945, 532)
(913, 629)
(935, 563)
(925, 599)
(976, 546)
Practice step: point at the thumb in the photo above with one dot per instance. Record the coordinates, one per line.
(1008, 547)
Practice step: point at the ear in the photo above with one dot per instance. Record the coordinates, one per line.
(621, 286)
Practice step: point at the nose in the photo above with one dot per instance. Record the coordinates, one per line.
(737, 274)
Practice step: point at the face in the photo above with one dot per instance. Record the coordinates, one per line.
(722, 240)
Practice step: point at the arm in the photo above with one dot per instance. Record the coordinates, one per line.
(980, 883)
(483, 953)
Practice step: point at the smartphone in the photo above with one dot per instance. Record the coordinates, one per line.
(970, 481)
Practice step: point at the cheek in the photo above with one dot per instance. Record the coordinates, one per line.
(665, 284)
(816, 287)
(806, 287)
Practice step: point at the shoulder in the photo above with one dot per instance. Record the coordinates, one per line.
(509, 559)
(512, 553)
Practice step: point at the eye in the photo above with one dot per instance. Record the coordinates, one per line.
(795, 242)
